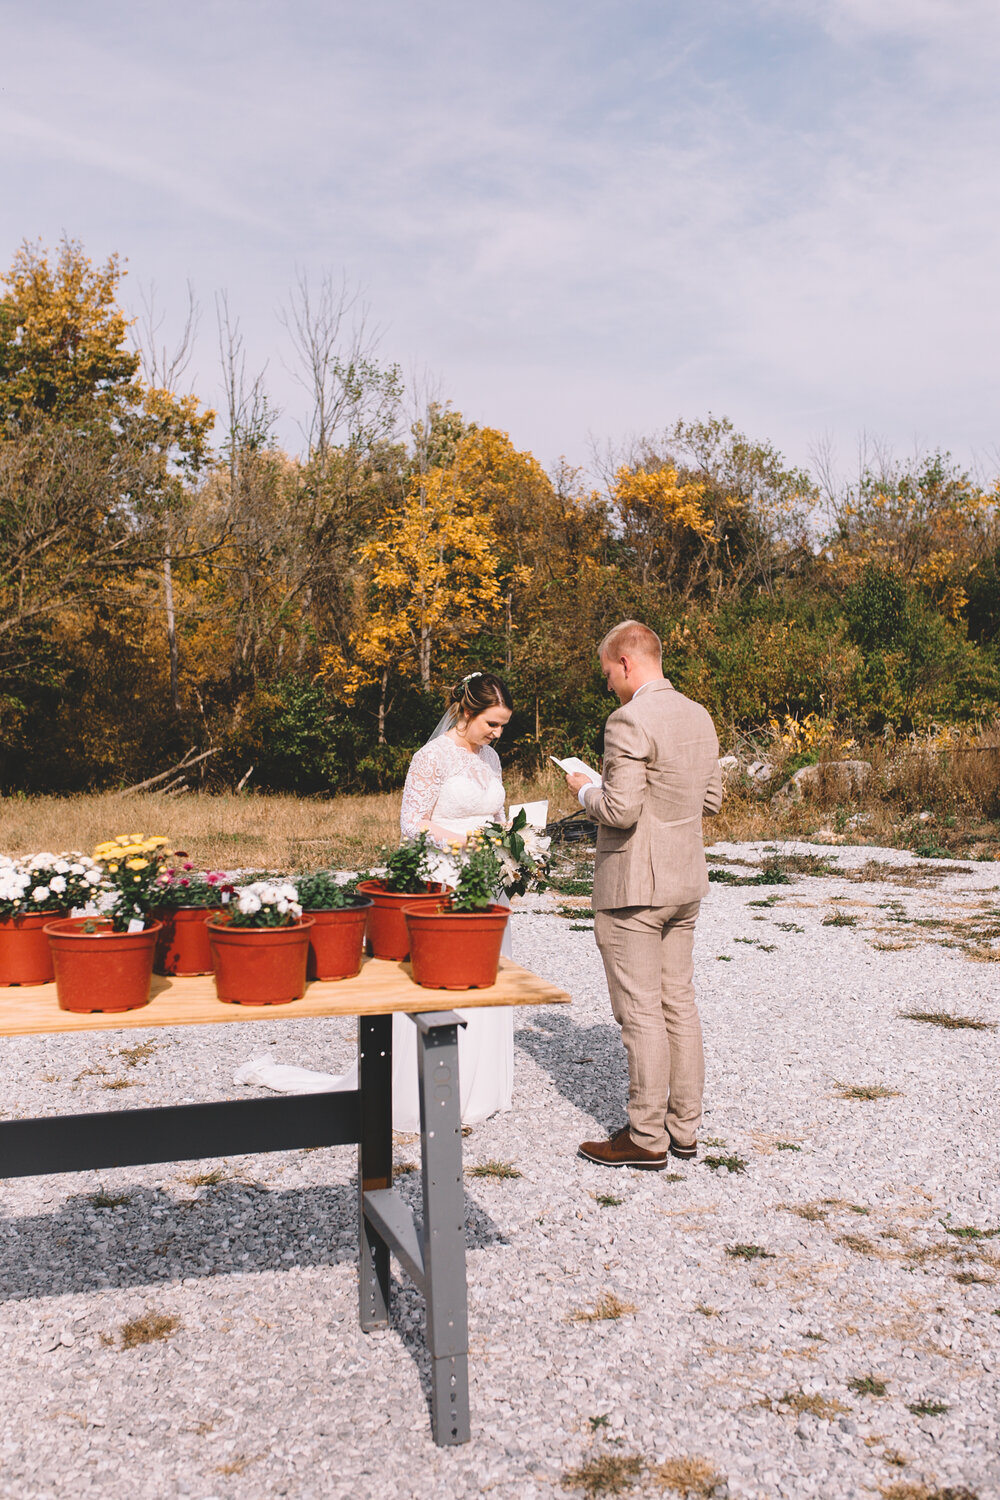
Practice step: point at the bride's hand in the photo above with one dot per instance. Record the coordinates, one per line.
(447, 836)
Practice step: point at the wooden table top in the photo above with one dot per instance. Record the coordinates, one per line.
(381, 987)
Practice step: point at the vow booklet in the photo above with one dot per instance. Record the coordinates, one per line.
(574, 763)
(536, 813)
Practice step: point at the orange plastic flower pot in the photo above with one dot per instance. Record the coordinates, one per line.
(337, 939)
(183, 947)
(102, 970)
(259, 965)
(24, 948)
(387, 935)
(455, 950)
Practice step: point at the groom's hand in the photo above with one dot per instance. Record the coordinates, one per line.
(575, 780)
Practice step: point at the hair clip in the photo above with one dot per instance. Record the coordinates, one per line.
(470, 677)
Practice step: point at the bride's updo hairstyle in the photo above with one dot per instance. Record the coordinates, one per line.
(476, 693)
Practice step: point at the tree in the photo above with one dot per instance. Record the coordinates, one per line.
(62, 338)
(433, 579)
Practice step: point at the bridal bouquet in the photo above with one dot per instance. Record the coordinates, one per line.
(522, 854)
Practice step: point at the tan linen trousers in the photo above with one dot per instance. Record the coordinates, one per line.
(648, 958)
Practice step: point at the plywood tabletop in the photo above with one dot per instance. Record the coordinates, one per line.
(379, 988)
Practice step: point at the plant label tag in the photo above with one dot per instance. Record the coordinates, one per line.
(136, 925)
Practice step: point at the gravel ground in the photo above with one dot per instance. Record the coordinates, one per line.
(853, 1222)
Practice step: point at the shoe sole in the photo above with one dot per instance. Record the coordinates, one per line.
(642, 1166)
(684, 1153)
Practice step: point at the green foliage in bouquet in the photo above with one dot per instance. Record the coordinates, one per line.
(522, 855)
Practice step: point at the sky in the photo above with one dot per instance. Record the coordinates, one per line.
(577, 220)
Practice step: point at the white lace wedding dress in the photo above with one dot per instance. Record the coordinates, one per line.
(460, 790)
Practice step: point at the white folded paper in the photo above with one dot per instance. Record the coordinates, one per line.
(536, 813)
(574, 763)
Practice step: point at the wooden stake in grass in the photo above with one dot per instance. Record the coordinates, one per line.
(609, 1474)
(608, 1308)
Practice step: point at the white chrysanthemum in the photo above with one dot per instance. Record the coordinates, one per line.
(57, 884)
(61, 867)
(76, 868)
(93, 877)
(249, 903)
(41, 893)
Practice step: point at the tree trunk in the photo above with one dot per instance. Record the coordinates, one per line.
(168, 594)
(383, 686)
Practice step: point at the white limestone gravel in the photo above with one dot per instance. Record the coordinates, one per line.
(266, 1386)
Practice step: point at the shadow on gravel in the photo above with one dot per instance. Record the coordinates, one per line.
(586, 1063)
(235, 1228)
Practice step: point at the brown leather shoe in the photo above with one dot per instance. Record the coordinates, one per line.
(621, 1151)
(683, 1153)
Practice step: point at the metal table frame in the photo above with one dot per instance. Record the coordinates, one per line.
(432, 1252)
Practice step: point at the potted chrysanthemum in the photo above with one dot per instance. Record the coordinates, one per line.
(260, 945)
(339, 914)
(33, 892)
(455, 942)
(185, 899)
(408, 881)
(104, 962)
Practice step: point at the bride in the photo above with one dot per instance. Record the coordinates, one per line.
(453, 786)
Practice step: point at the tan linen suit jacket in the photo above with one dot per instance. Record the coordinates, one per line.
(661, 772)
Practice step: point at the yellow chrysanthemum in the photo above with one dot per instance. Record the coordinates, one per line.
(137, 864)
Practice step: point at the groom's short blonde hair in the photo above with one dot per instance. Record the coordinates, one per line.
(632, 638)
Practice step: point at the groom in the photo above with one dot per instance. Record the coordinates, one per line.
(661, 772)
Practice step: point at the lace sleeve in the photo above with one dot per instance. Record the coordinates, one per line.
(492, 759)
(420, 794)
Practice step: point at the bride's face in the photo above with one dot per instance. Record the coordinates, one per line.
(484, 728)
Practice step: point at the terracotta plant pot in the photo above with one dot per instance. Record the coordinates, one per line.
(259, 965)
(24, 948)
(455, 950)
(336, 940)
(101, 970)
(387, 935)
(183, 947)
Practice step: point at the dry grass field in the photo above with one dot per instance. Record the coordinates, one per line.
(235, 831)
(936, 805)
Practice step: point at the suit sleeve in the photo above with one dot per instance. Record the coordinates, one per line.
(617, 802)
(713, 793)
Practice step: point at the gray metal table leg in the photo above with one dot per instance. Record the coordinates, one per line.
(374, 1162)
(444, 1225)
